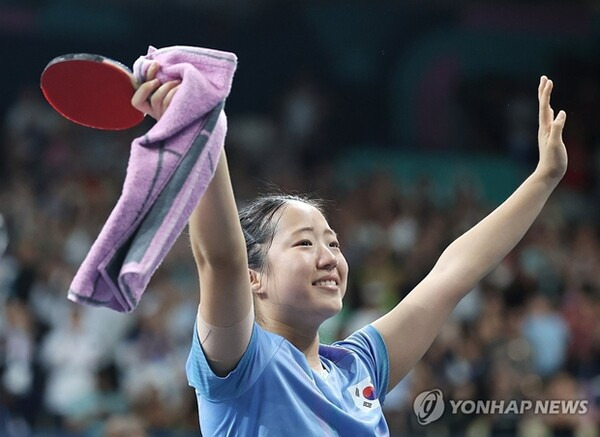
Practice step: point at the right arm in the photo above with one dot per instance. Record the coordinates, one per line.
(224, 318)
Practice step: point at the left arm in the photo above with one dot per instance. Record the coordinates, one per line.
(409, 329)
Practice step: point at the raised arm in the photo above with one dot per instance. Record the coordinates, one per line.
(409, 329)
(225, 313)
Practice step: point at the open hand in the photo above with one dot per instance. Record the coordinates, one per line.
(152, 97)
(553, 153)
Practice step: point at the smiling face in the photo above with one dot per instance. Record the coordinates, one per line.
(306, 275)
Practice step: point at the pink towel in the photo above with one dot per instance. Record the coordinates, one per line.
(168, 171)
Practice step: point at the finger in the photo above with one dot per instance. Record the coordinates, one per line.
(543, 80)
(152, 70)
(156, 100)
(140, 97)
(546, 113)
(169, 97)
(150, 75)
(557, 127)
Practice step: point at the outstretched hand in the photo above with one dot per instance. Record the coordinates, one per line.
(553, 153)
(152, 97)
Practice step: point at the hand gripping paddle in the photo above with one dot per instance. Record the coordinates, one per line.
(91, 90)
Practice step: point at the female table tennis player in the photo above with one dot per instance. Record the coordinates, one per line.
(272, 274)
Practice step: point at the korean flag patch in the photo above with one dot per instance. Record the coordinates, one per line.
(364, 396)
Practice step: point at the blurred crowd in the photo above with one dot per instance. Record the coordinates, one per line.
(529, 330)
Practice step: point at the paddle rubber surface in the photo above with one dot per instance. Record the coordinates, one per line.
(91, 90)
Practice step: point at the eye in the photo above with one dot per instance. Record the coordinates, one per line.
(335, 244)
(304, 243)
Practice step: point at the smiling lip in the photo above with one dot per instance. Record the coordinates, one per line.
(329, 282)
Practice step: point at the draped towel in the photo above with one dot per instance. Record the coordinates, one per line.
(168, 171)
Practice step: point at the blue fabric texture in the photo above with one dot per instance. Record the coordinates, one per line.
(274, 392)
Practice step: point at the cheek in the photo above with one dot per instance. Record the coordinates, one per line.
(296, 271)
(343, 269)
(286, 275)
(343, 266)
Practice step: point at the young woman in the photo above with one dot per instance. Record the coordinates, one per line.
(270, 276)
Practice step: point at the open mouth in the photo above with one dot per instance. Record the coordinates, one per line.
(326, 283)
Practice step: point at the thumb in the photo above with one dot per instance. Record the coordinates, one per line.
(557, 127)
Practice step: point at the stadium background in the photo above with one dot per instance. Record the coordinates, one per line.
(414, 118)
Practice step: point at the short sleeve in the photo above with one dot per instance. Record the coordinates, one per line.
(261, 349)
(368, 344)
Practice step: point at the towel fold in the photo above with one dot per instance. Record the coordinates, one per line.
(168, 171)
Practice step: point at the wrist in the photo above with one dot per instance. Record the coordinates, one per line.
(549, 177)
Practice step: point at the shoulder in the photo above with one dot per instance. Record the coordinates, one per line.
(263, 346)
(366, 341)
(364, 353)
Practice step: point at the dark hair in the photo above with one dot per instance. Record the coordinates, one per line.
(258, 224)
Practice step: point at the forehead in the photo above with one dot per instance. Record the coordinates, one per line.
(296, 215)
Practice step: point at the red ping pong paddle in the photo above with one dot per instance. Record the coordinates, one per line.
(91, 90)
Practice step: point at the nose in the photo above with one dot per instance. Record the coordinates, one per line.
(327, 259)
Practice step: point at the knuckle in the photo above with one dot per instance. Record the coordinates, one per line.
(136, 101)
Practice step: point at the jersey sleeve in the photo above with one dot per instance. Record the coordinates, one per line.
(261, 349)
(369, 346)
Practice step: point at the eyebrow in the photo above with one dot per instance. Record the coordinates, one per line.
(311, 229)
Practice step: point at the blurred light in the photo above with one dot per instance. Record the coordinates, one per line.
(14, 19)
(3, 235)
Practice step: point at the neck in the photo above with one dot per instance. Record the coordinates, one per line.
(305, 340)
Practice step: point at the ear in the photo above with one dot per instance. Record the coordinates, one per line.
(256, 283)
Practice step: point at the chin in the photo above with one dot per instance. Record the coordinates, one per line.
(332, 310)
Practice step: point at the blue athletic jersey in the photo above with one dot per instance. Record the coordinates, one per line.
(274, 392)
